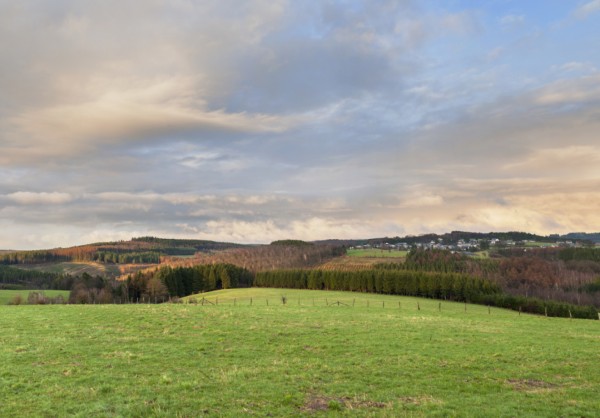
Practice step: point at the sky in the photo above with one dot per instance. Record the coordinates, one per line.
(272, 119)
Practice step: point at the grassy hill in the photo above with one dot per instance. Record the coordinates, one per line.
(384, 356)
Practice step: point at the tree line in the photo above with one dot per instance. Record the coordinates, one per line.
(167, 282)
(148, 257)
(533, 273)
(449, 286)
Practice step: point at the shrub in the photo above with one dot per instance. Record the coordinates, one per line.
(16, 300)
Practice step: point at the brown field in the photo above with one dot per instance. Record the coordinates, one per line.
(349, 263)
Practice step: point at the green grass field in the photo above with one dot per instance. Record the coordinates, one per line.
(7, 295)
(481, 254)
(539, 244)
(375, 252)
(380, 357)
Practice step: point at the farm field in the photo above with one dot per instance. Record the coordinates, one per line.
(377, 253)
(7, 295)
(540, 244)
(381, 357)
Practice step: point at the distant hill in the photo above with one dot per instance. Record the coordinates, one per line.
(141, 250)
(454, 236)
(594, 236)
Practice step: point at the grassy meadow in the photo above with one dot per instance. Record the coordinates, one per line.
(377, 253)
(241, 355)
(7, 295)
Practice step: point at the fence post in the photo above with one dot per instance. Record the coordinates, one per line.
(399, 306)
(383, 304)
(250, 301)
(267, 302)
(440, 306)
(418, 306)
(489, 310)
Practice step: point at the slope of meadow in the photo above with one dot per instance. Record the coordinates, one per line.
(241, 355)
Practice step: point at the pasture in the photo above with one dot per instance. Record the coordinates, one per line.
(7, 295)
(376, 253)
(244, 352)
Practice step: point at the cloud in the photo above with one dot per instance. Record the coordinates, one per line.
(587, 9)
(41, 198)
(314, 228)
(577, 67)
(268, 119)
(127, 115)
(512, 20)
(584, 89)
